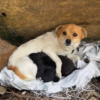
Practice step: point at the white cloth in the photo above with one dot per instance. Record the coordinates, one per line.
(78, 78)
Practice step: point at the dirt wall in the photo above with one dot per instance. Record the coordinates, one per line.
(21, 20)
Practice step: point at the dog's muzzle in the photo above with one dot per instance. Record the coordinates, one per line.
(68, 42)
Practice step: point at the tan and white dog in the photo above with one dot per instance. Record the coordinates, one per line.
(62, 41)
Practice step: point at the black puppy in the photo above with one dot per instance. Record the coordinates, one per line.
(47, 68)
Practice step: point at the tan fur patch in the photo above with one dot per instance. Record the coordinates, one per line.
(17, 72)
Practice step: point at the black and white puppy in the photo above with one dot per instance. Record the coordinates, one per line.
(47, 67)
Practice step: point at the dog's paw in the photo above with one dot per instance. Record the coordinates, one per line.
(75, 59)
(58, 73)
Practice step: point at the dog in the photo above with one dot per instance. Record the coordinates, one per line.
(61, 41)
(46, 67)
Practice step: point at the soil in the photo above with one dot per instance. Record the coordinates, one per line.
(92, 94)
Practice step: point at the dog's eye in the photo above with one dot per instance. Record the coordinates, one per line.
(75, 34)
(64, 33)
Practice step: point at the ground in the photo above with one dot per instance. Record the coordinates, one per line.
(91, 94)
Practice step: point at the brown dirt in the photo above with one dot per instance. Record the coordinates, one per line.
(14, 94)
(22, 19)
(6, 50)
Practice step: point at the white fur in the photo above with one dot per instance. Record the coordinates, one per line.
(48, 43)
(27, 67)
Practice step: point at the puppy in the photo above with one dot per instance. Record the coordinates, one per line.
(46, 66)
(62, 41)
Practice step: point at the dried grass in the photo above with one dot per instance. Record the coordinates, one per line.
(90, 92)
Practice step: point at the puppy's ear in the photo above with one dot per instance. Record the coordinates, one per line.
(58, 28)
(84, 33)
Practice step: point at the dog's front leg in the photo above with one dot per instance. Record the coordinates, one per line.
(55, 58)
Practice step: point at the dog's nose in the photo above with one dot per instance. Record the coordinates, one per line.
(68, 41)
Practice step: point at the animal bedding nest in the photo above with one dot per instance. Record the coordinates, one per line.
(79, 78)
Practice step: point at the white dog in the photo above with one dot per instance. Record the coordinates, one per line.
(62, 41)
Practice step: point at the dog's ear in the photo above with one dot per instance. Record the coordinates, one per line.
(84, 33)
(58, 28)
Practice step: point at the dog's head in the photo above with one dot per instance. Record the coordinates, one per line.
(70, 35)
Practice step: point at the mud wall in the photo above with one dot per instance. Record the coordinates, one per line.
(21, 20)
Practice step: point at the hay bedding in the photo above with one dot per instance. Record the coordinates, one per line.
(76, 86)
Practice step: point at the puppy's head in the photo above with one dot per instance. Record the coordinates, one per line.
(70, 35)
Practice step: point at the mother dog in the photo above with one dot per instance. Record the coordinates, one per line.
(62, 41)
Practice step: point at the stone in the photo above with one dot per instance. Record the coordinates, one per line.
(6, 50)
(2, 90)
(21, 20)
(23, 93)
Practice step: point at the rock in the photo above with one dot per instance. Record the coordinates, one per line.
(23, 93)
(6, 50)
(2, 90)
(21, 20)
